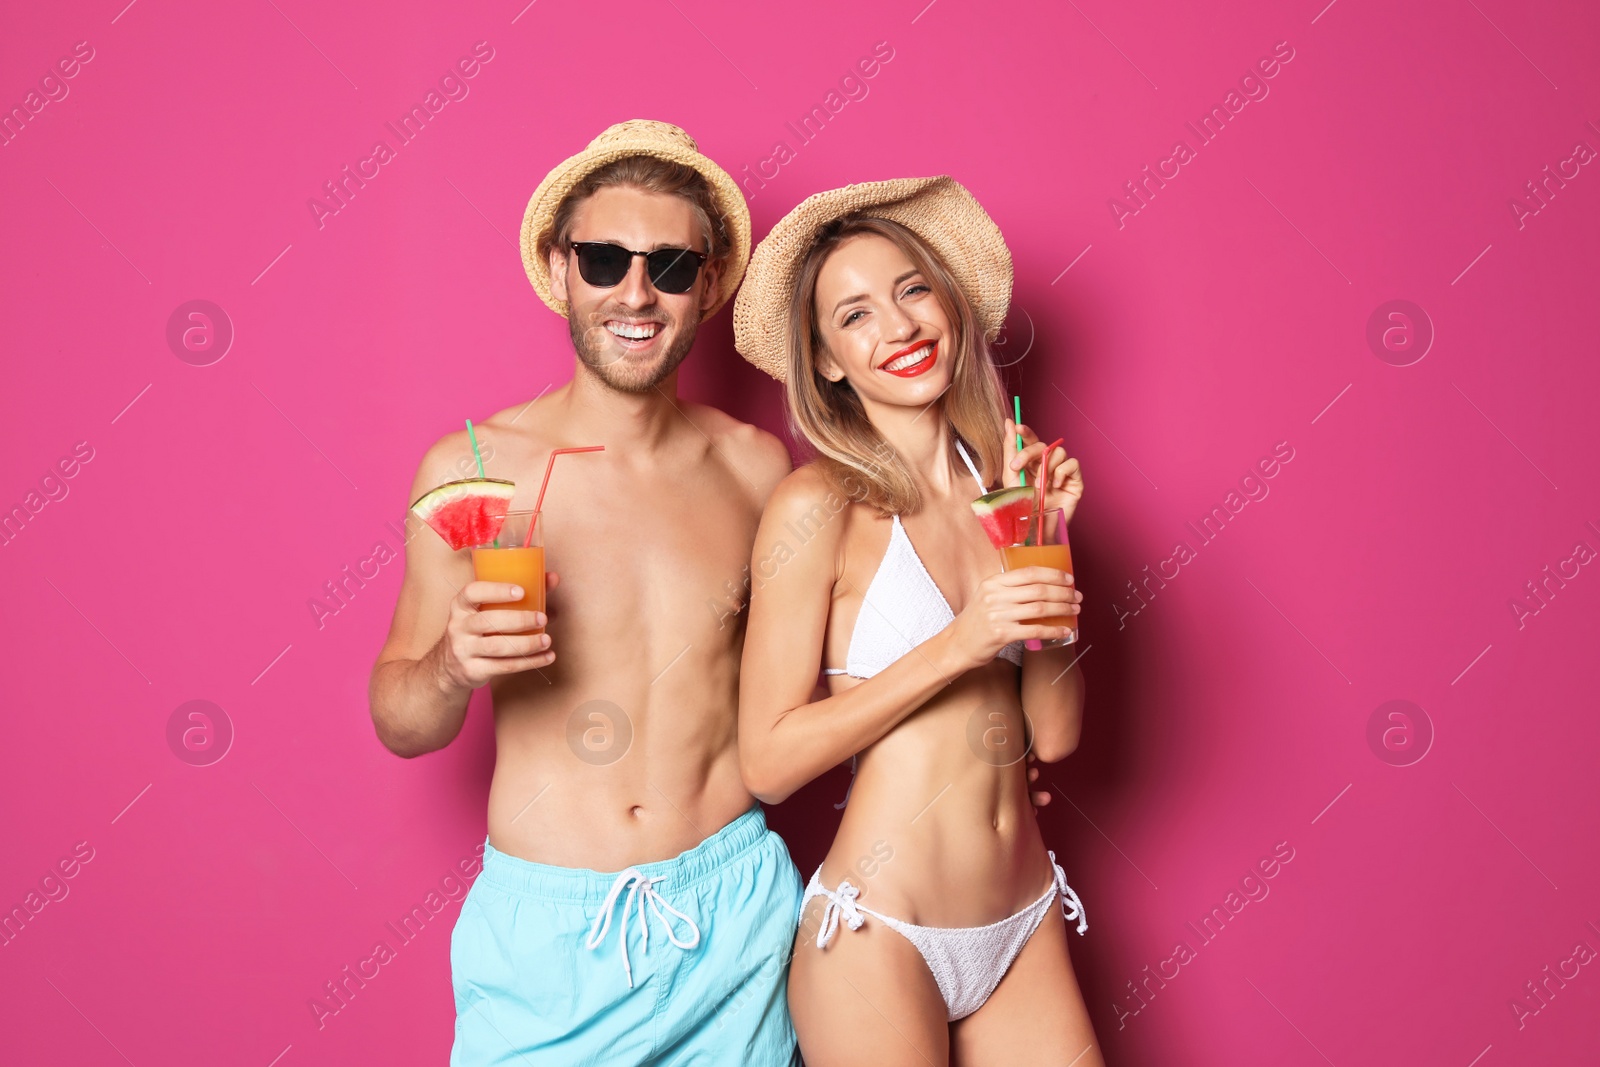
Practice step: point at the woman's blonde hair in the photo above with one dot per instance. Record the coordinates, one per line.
(850, 452)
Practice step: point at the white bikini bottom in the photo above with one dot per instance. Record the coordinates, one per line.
(967, 961)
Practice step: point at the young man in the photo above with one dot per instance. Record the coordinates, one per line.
(615, 729)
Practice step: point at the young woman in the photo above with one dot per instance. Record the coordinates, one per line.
(935, 930)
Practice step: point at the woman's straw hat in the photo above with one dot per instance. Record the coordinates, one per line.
(939, 210)
(636, 137)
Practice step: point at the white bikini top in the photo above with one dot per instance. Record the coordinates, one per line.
(903, 606)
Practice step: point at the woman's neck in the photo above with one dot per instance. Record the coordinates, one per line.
(922, 438)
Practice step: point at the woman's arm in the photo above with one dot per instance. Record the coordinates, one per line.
(1052, 686)
(1052, 699)
(785, 739)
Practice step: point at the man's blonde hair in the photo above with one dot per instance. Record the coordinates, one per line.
(651, 174)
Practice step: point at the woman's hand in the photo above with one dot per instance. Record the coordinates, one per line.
(1005, 608)
(1063, 478)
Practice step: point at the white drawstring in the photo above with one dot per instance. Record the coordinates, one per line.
(643, 888)
(1071, 906)
(842, 902)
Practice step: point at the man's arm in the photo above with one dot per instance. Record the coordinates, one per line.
(440, 646)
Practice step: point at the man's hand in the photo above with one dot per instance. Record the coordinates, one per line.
(1040, 797)
(482, 644)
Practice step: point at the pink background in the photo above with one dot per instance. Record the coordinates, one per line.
(1229, 714)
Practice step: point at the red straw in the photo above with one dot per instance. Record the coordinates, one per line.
(534, 518)
(1043, 462)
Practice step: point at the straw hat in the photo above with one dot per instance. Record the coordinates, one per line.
(939, 210)
(636, 137)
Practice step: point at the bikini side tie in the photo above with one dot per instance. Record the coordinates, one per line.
(841, 903)
(1071, 906)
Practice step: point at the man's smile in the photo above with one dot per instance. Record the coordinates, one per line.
(633, 335)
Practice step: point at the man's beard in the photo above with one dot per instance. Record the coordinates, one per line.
(596, 348)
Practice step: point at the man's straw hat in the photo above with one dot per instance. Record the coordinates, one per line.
(636, 137)
(939, 210)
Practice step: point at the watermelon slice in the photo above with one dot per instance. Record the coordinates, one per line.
(468, 512)
(1006, 514)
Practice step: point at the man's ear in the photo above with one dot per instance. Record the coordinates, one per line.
(711, 274)
(558, 274)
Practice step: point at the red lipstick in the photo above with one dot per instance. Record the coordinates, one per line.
(930, 355)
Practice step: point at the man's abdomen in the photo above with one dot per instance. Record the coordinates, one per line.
(581, 780)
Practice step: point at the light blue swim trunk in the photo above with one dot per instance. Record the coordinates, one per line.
(682, 961)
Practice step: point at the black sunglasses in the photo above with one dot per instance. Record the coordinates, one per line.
(671, 270)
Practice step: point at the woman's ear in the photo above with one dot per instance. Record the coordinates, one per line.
(826, 368)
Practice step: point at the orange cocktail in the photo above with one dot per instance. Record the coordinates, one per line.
(1056, 553)
(1057, 556)
(509, 559)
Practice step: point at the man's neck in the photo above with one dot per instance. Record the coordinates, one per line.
(627, 421)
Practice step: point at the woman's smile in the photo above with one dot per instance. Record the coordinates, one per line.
(912, 360)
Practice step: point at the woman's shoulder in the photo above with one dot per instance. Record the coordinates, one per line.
(812, 484)
(808, 499)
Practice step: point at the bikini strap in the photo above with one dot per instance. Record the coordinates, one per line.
(982, 489)
(840, 806)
